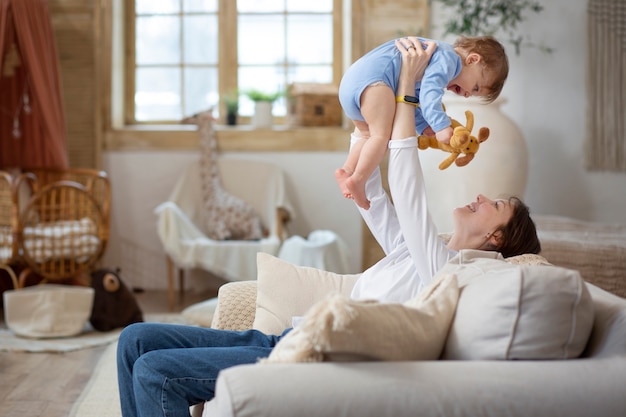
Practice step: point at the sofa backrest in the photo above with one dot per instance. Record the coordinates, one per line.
(608, 337)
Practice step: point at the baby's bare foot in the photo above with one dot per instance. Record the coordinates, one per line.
(357, 192)
(342, 176)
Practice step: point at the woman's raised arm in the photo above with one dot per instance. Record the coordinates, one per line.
(415, 59)
(406, 182)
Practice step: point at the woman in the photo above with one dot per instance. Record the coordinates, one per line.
(413, 250)
(162, 369)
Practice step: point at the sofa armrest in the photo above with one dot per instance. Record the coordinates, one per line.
(236, 306)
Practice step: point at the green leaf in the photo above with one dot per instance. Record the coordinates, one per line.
(257, 95)
(490, 17)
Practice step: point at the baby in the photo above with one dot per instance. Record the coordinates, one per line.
(473, 66)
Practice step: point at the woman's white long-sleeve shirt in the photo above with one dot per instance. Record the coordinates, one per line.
(413, 250)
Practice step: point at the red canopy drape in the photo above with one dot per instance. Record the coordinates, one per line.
(32, 120)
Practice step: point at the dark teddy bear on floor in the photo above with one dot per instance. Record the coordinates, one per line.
(114, 305)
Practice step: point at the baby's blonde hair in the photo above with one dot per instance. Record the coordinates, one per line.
(493, 56)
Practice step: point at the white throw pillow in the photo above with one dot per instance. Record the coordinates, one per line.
(340, 329)
(508, 311)
(285, 290)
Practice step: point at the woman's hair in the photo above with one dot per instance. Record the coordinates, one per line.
(519, 235)
(494, 57)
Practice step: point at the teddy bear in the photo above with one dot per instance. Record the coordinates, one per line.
(114, 304)
(462, 142)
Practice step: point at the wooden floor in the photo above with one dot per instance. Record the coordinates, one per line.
(47, 384)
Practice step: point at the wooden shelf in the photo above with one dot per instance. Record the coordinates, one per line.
(242, 138)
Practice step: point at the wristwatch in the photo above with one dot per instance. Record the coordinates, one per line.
(408, 100)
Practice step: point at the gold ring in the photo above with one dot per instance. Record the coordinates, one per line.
(410, 47)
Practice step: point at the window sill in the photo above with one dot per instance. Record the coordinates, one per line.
(241, 138)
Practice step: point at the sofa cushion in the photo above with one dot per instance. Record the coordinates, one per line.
(285, 290)
(509, 311)
(341, 329)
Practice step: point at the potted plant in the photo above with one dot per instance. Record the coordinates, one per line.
(263, 102)
(258, 95)
(490, 17)
(232, 107)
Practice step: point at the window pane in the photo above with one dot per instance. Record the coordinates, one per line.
(157, 7)
(302, 48)
(324, 6)
(260, 40)
(278, 42)
(244, 6)
(158, 40)
(195, 6)
(266, 79)
(157, 95)
(312, 74)
(200, 36)
(200, 90)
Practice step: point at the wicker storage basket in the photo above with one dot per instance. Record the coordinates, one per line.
(48, 310)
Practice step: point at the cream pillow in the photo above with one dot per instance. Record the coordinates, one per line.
(341, 329)
(508, 311)
(285, 290)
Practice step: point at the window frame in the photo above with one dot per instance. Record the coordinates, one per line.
(227, 58)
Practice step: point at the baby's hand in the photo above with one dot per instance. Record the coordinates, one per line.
(428, 131)
(444, 135)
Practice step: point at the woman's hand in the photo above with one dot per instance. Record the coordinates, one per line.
(415, 57)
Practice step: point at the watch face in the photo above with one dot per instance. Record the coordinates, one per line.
(411, 99)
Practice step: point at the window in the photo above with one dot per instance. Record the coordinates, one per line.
(183, 55)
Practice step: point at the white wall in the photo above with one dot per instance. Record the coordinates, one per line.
(143, 180)
(546, 97)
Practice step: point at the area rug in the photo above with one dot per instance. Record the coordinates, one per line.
(87, 339)
(100, 398)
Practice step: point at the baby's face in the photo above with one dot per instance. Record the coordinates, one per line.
(473, 79)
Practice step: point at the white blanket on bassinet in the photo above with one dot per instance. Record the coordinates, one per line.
(68, 239)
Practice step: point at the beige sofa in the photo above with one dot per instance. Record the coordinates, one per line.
(593, 384)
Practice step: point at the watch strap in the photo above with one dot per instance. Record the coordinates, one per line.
(405, 99)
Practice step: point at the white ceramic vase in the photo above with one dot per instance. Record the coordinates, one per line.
(262, 117)
(499, 169)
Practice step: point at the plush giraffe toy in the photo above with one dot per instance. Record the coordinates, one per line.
(228, 217)
(462, 142)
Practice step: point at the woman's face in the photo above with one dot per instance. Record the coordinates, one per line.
(480, 219)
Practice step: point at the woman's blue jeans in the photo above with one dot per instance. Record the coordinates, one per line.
(165, 368)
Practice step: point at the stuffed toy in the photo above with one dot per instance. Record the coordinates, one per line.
(462, 142)
(114, 305)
